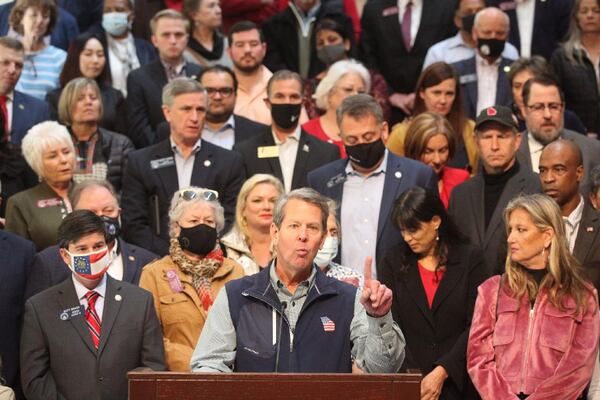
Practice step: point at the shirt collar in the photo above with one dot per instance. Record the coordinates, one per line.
(229, 124)
(575, 217)
(483, 62)
(176, 149)
(82, 290)
(534, 145)
(10, 96)
(178, 68)
(403, 3)
(279, 285)
(295, 136)
(456, 41)
(380, 170)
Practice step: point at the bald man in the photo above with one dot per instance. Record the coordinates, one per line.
(561, 171)
(483, 76)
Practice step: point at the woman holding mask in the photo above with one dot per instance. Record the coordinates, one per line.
(185, 283)
(535, 328)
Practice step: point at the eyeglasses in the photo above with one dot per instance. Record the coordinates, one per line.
(191, 194)
(224, 92)
(554, 108)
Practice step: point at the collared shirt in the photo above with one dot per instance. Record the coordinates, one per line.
(487, 79)
(9, 109)
(250, 103)
(454, 49)
(572, 223)
(122, 59)
(361, 202)
(184, 166)
(82, 291)
(525, 15)
(287, 156)
(305, 20)
(415, 17)
(174, 72)
(295, 300)
(377, 343)
(535, 151)
(224, 137)
(115, 270)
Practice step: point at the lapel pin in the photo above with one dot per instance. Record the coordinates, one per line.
(589, 229)
(398, 174)
(21, 106)
(131, 258)
(118, 297)
(207, 163)
(305, 148)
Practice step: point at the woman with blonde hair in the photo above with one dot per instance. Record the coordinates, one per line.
(431, 140)
(535, 329)
(249, 241)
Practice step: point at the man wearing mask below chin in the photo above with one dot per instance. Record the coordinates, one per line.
(483, 76)
(48, 267)
(82, 336)
(366, 184)
(125, 52)
(284, 150)
(462, 45)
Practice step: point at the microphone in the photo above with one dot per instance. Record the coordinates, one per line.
(283, 307)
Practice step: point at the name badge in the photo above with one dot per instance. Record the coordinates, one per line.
(69, 313)
(174, 281)
(390, 11)
(53, 202)
(268, 152)
(162, 163)
(464, 79)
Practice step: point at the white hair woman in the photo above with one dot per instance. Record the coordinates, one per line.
(344, 78)
(36, 213)
(186, 281)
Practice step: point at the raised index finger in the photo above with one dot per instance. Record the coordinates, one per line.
(367, 272)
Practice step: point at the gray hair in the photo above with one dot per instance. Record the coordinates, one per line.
(359, 106)
(78, 190)
(307, 195)
(284, 75)
(595, 179)
(181, 86)
(336, 72)
(179, 205)
(488, 10)
(69, 96)
(38, 138)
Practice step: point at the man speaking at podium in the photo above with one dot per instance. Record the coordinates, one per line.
(290, 317)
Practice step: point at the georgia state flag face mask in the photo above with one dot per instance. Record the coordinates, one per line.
(92, 265)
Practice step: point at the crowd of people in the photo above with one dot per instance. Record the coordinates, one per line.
(360, 186)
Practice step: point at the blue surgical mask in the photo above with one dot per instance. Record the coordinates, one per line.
(327, 252)
(115, 23)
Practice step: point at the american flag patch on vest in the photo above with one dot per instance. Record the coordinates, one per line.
(328, 324)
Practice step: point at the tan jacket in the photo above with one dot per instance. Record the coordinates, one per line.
(180, 314)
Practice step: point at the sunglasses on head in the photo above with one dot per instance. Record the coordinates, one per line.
(206, 194)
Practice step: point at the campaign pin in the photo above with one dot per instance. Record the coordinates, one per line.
(207, 163)
(118, 297)
(131, 258)
(590, 229)
(21, 107)
(398, 174)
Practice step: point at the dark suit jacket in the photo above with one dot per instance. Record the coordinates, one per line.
(244, 129)
(590, 148)
(147, 191)
(27, 112)
(312, 153)
(16, 254)
(88, 13)
(550, 24)
(587, 244)
(467, 72)
(401, 174)
(48, 268)
(58, 359)
(467, 209)
(144, 100)
(437, 335)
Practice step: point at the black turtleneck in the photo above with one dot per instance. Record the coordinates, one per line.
(494, 186)
(210, 55)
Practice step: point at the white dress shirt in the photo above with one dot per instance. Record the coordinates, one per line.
(287, 156)
(185, 166)
(224, 137)
(9, 109)
(115, 270)
(487, 80)
(525, 15)
(535, 151)
(415, 17)
(572, 224)
(82, 291)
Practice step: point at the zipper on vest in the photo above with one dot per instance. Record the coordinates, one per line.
(291, 339)
(527, 345)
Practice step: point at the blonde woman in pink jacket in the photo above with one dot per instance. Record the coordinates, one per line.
(535, 329)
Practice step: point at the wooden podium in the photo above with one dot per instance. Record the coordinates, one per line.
(196, 386)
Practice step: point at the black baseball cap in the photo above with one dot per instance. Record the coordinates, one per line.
(500, 114)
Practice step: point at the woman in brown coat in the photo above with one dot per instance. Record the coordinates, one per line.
(185, 282)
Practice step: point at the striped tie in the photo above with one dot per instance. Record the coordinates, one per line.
(91, 317)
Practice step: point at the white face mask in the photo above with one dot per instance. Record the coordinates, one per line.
(90, 266)
(327, 252)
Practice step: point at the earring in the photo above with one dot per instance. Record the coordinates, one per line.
(543, 251)
(437, 236)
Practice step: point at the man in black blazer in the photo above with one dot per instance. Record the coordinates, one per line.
(477, 205)
(145, 84)
(549, 21)
(485, 73)
(155, 173)
(366, 184)
(285, 150)
(561, 171)
(82, 336)
(16, 254)
(382, 46)
(49, 269)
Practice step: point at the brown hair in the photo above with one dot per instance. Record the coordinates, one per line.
(169, 13)
(16, 15)
(422, 129)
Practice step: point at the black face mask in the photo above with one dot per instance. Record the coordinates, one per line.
(332, 53)
(286, 115)
(200, 239)
(491, 48)
(366, 155)
(468, 22)
(113, 228)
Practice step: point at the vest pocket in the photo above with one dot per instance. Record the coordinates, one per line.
(170, 312)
